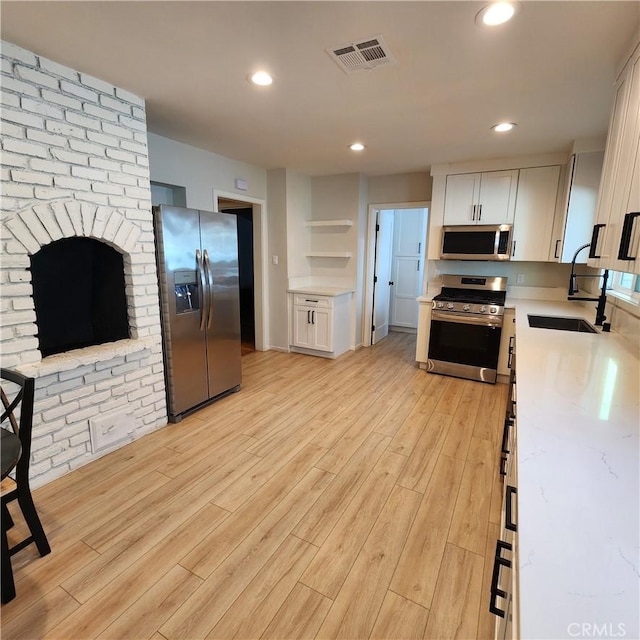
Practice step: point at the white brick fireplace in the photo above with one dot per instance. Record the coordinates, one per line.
(75, 164)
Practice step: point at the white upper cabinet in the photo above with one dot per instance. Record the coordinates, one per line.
(534, 214)
(481, 198)
(461, 198)
(618, 198)
(574, 222)
(630, 234)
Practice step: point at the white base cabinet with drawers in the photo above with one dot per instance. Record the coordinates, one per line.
(320, 324)
(504, 580)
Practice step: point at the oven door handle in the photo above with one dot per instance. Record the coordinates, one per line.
(459, 318)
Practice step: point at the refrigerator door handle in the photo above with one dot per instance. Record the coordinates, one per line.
(203, 286)
(209, 277)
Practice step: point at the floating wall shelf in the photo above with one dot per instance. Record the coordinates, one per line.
(329, 254)
(330, 223)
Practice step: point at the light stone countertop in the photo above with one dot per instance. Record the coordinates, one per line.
(314, 290)
(578, 433)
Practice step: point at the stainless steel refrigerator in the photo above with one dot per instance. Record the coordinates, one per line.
(197, 257)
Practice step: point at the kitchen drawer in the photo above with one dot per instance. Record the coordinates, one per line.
(318, 302)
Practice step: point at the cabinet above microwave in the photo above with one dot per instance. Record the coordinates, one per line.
(481, 198)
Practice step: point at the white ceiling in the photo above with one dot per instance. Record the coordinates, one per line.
(551, 69)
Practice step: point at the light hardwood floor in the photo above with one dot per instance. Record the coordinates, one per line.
(349, 498)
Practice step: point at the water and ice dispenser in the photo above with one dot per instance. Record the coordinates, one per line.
(186, 291)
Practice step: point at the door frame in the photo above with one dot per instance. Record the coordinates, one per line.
(260, 266)
(371, 253)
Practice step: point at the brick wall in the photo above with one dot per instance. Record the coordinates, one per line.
(75, 163)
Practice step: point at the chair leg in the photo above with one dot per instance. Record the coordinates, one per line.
(6, 517)
(33, 521)
(8, 586)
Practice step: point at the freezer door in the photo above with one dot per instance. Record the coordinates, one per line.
(220, 253)
(183, 306)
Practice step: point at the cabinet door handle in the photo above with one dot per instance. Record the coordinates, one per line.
(512, 340)
(503, 465)
(313, 317)
(513, 249)
(479, 212)
(625, 238)
(594, 240)
(473, 212)
(419, 247)
(308, 317)
(505, 435)
(496, 592)
(508, 518)
(555, 253)
(418, 266)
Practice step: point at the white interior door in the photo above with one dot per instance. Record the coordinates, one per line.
(382, 275)
(407, 266)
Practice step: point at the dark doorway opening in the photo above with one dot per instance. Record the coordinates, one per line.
(79, 295)
(244, 215)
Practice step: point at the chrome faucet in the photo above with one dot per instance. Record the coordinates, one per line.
(601, 299)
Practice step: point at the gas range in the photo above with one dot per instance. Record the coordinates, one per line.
(466, 327)
(472, 294)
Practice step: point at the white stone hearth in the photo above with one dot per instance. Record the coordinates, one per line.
(75, 164)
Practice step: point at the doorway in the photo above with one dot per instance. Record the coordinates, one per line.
(244, 214)
(396, 242)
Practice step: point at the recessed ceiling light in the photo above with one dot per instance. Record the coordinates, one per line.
(496, 13)
(356, 146)
(503, 127)
(261, 78)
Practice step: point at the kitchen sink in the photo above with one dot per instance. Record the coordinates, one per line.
(561, 324)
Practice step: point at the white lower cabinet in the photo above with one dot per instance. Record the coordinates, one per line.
(320, 324)
(504, 582)
(312, 328)
(507, 341)
(424, 331)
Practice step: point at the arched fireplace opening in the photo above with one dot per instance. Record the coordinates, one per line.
(79, 295)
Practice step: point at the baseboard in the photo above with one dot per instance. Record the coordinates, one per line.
(403, 329)
(281, 349)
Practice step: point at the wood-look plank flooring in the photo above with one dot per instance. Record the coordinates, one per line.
(349, 498)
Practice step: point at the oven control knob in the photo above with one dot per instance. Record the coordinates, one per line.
(466, 307)
(483, 309)
(494, 310)
(440, 305)
(449, 305)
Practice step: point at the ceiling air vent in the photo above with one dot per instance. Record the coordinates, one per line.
(363, 55)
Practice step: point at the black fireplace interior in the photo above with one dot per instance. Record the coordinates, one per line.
(79, 295)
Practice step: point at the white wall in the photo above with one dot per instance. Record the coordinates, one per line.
(336, 198)
(298, 194)
(278, 281)
(360, 258)
(534, 274)
(401, 187)
(201, 171)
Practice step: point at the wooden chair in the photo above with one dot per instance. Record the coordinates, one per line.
(19, 401)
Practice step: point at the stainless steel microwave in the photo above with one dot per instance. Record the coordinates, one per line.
(476, 242)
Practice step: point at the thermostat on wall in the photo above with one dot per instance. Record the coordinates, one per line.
(241, 185)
